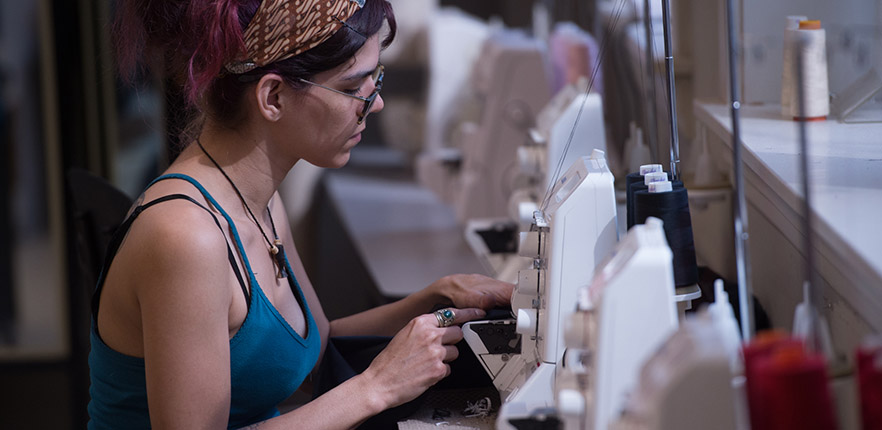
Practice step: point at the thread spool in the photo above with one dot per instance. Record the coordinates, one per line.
(644, 186)
(796, 393)
(869, 369)
(638, 176)
(762, 346)
(650, 168)
(631, 180)
(660, 187)
(670, 203)
(809, 44)
(635, 182)
(788, 75)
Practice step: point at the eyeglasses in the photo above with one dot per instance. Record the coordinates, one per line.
(376, 77)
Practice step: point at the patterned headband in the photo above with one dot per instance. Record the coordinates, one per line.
(282, 29)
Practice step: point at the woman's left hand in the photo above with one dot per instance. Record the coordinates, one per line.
(474, 291)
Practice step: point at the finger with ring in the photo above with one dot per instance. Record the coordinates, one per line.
(445, 317)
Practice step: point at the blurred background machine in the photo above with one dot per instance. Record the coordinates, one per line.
(554, 143)
(475, 172)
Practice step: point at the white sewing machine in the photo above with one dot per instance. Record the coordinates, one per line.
(511, 85)
(625, 314)
(567, 240)
(694, 380)
(553, 145)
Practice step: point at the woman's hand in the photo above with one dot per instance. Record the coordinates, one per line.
(417, 357)
(474, 291)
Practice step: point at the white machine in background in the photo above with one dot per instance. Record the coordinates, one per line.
(623, 317)
(511, 84)
(455, 39)
(566, 241)
(553, 144)
(693, 382)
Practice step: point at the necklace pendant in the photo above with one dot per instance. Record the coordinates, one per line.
(279, 256)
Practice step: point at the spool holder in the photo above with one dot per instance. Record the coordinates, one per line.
(815, 293)
(742, 257)
(684, 296)
(672, 93)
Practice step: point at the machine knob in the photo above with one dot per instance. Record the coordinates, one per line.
(531, 281)
(530, 244)
(570, 402)
(576, 331)
(527, 319)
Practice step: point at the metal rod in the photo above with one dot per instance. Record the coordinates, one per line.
(651, 131)
(813, 340)
(672, 95)
(742, 257)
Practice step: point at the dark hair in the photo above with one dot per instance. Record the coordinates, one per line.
(189, 42)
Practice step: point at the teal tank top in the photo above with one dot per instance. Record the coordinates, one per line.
(268, 359)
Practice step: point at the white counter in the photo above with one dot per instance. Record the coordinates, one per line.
(845, 169)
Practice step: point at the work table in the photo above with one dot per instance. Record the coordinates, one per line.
(845, 172)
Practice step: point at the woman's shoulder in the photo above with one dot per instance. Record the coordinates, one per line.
(173, 254)
(175, 221)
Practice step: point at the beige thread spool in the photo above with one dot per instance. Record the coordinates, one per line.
(788, 77)
(810, 53)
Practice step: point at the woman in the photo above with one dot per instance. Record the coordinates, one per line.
(204, 316)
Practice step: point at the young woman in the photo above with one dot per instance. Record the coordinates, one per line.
(204, 316)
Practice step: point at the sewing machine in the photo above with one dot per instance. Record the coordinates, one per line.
(693, 381)
(475, 172)
(623, 316)
(552, 143)
(566, 241)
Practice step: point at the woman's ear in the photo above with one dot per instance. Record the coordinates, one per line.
(267, 93)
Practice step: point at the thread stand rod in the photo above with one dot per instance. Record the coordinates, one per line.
(742, 257)
(672, 94)
(651, 131)
(813, 341)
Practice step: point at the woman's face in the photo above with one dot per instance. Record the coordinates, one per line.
(323, 126)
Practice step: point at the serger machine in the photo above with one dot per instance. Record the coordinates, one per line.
(554, 143)
(625, 314)
(510, 84)
(566, 241)
(694, 380)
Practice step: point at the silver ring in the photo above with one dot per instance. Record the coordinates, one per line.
(445, 317)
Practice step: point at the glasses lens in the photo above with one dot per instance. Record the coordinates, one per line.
(377, 77)
(378, 74)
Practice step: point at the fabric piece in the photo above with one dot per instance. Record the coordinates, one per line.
(347, 356)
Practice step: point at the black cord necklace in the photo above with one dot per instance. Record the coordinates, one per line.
(276, 249)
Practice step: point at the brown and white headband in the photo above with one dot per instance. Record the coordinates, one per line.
(282, 29)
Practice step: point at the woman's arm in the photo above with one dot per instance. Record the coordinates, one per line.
(462, 291)
(181, 277)
(414, 360)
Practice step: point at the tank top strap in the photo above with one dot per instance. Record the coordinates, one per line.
(235, 232)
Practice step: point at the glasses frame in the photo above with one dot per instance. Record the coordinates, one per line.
(369, 100)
